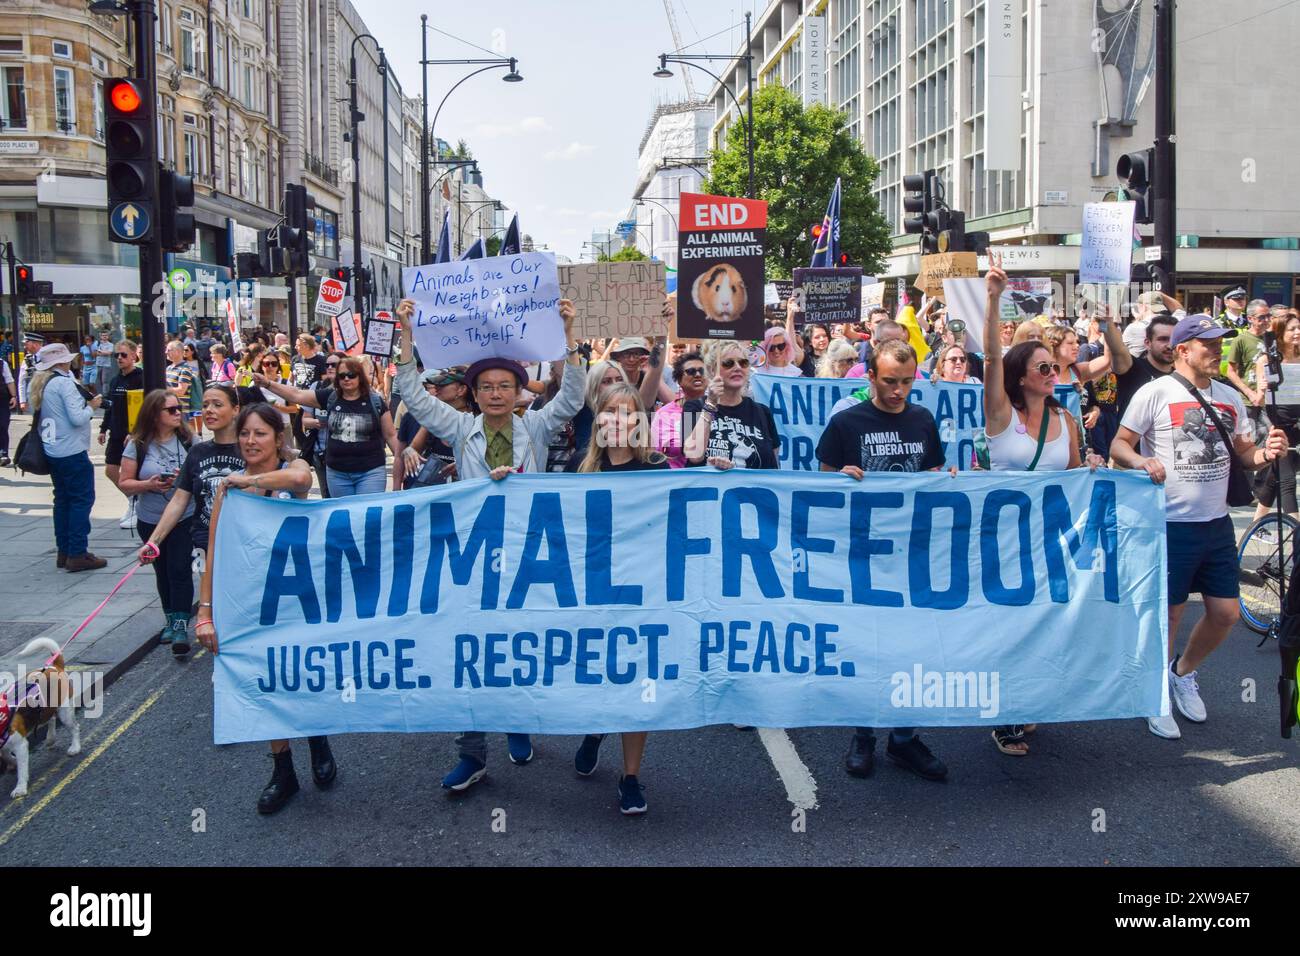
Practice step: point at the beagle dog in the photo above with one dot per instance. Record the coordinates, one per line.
(720, 293)
(42, 694)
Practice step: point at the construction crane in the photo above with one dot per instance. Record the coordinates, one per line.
(677, 45)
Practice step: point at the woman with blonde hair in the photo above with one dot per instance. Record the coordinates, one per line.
(601, 375)
(731, 428)
(621, 441)
(1027, 332)
(837, 358)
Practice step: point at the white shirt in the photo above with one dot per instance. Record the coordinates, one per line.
(791, 370)
(1176, 432)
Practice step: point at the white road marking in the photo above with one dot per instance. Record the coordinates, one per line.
(800, 787)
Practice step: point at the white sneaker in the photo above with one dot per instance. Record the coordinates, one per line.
(1165, 727)
(1187, 695)
(128, 517)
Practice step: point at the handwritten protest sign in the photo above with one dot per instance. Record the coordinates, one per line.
(615, 299)
(1106, 255)
(830, 295)
(945, 265)
(768, 598)
(484, 308)
(347, 331)
(379, 335)
(873, 295)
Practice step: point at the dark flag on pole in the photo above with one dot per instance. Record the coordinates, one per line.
(476, 251)
(444, 239)
(826, 254)
(510, 246)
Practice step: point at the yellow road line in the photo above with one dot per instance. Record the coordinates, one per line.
(45, 801)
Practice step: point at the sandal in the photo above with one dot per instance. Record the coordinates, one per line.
(1004, 738)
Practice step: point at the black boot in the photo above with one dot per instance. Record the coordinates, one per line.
(323, 770)
(283, 785)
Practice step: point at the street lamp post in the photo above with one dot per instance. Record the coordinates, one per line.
(646, 199)
(427, 130)
(460, 233)
(685, 59)
(357, 117)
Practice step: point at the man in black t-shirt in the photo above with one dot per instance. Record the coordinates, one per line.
(886, 434)
(308, 368)
(1158, 360)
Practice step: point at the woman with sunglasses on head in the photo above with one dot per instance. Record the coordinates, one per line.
(689, 374)
(151, 465)
(621, 442)
(730, 428)
(359, 425)
(951, 365)
(262, 444)
(1026, 427)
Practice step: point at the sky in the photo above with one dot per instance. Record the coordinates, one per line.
(559, 148)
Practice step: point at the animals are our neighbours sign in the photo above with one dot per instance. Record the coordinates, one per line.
(720, 268)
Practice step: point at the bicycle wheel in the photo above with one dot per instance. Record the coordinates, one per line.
(1262, 572)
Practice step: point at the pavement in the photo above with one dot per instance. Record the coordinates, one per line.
(151, 789)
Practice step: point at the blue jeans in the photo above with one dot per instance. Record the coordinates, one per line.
(74, 496)
(343, 484)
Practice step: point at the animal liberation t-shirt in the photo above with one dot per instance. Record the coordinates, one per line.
(744, 434)
(206, 464)
(876, 440)
(356, 440)
(1176, 432)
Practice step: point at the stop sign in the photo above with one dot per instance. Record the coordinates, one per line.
(330, 297)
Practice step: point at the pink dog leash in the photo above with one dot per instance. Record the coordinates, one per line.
(152, 550)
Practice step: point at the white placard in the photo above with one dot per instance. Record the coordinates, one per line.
(1106, 256)
(966, 299)
(379, 337)
(1002, 84)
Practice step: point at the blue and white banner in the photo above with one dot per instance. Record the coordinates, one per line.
(537, 604)
(802, 407)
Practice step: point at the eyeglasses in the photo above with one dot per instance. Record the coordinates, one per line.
(732, 363)
(1047, 368)
(346, 376)
(695, 372)
(172, 409)
(957, 359)
(123, 354)
(776, 347)
(331, 364)
(502, 389)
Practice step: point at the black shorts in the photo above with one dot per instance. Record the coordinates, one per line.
(113, 450)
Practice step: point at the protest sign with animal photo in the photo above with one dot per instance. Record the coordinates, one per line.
(721, 268)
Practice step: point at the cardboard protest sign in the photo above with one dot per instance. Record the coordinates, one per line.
(829, 295)
(1106, 255)
(721, 268)
(615, 299)
(873, 295)
(329, 298)
(379, 335)
(945, 265)
(504, 306)
(347, 331)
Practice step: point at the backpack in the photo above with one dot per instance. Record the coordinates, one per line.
(30, 457)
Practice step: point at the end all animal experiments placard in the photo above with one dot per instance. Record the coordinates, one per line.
(801, 407)
(615, 299)
(767, 598)
(720, 268)
(483, 308)
(830, 295)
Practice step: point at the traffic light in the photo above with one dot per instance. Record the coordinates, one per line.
(922, 196)
(24, 284)
(815, 232)
(298, 235)
(1136, 169)
(361, 291)
(131, 170)
(343, 274)
(844, 259)
(175, 221)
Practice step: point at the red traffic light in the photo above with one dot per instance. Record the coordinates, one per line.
(816, 231)
(844, 258)
(125, 97)
(24, 273)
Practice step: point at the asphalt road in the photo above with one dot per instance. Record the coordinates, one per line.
(150, 788)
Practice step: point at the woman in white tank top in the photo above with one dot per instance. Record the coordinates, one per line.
(1018, 395)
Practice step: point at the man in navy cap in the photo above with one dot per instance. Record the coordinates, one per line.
(1177, 420)
(493, 443)
(32, 343)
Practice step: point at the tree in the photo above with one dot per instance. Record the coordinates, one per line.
(798, 153)
(461, 152)
(494, 245)
(626, 254)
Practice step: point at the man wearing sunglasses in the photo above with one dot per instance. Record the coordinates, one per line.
(1182, 448)
(113, 426)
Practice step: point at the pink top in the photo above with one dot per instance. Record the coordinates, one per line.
(666, 427)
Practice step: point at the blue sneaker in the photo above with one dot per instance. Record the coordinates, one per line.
(631, 799)
(588, 755)
(465, 774)
(520, 747)
(166, 634)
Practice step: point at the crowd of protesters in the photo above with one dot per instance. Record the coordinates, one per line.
(265, 419)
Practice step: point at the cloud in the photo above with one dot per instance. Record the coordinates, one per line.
(529, 124)
(572, 151)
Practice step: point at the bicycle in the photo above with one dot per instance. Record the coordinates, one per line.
(1264, 572)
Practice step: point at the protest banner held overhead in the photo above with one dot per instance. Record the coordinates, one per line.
(615, 299)
(829, 295)
(721, 267)
(499, 306)
(765, 598)
(1106, 255)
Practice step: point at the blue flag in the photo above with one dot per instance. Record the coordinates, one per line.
(476, 251)
(510, 246)
(444, 239)
(826, 254)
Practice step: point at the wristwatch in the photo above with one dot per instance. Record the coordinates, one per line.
(711, 408)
